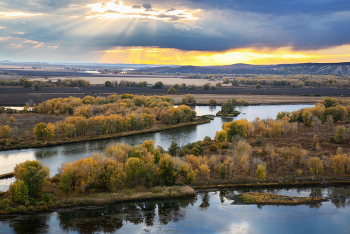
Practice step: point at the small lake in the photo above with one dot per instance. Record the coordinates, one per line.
(56, 155)
(208, 212)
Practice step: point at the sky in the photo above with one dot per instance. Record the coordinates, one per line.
(181, 32)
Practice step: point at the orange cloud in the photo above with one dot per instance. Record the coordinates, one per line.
(167, 56)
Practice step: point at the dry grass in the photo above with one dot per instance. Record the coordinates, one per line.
(263, 198)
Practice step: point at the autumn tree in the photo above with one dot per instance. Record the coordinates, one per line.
(133, 168)
(338, 163)
(221, 136)
(205, 172)
(33, 174)
(316, 165)
(167, 170)
(260, 172)
(340, 134)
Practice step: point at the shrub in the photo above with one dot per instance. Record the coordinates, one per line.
(213, 147)
(157, 190)
(22, 209)
(325, 144)
(47, 197)
(260, 140)
(171, 90)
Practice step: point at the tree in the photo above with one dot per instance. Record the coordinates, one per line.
(50, 131)
(33, 174)
(221, 136)
(18, 191)
(133, 168)
(171, 90)
(39, 130)
(108, 84)
(205, 171)
(339, 162)
(150, 174)
(5, 131)
(212, 102)
(223, 172)
(340, 134)
(258, 86)
(260, 172)
(167, 170)
(158, 85)
(316, 165)
(38, 85)
(65, 182)
(173, 148)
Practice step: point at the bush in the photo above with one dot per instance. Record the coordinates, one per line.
(220, 146)
(22, 209)
(47, 197)
(213, 147)
(158, 85)
(325, 144)
(225, 145)
(157, 190)
(260, 140)
(108, 84)
(171, 91)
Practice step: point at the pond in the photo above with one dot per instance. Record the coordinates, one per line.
(56, 155)
(208, 212)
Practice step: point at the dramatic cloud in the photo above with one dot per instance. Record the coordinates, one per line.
(74, 29)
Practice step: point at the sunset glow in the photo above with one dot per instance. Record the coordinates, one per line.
(169, 56)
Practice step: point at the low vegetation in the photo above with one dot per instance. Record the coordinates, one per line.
(269, 198)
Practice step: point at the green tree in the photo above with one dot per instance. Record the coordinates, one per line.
(258, 86)
(65, 182)
(108, 84)
(39, 130)
(158, 85)
(19, 191)
(173, 148)
(223, 172)
(260, 172)
(33, 174)
(171, 90)
(133, 168)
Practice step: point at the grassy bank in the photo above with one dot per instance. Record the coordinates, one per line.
(269, 198)
(280, 184)
(38, 144)
(58, 200)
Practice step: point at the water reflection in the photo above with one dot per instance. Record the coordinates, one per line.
(215, 214)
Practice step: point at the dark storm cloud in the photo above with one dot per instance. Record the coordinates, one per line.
(222, 25)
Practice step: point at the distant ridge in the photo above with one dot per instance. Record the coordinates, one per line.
(342, 69)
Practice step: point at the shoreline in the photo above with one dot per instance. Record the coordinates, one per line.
(92, 200)
(102, 199)
(102, 137)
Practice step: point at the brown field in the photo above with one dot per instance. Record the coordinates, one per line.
(256, 99)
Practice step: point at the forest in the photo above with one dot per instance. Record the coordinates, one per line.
(89, 117)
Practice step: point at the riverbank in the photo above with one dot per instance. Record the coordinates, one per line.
(273, 199)
(58, 200)
(39, 144)
(280, 184)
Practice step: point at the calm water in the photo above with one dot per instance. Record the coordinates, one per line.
(55, 156)
(208, 212)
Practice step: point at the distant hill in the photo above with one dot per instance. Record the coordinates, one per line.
(342, 69)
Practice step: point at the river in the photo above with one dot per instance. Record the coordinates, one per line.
(56, 155)
(208, 212)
